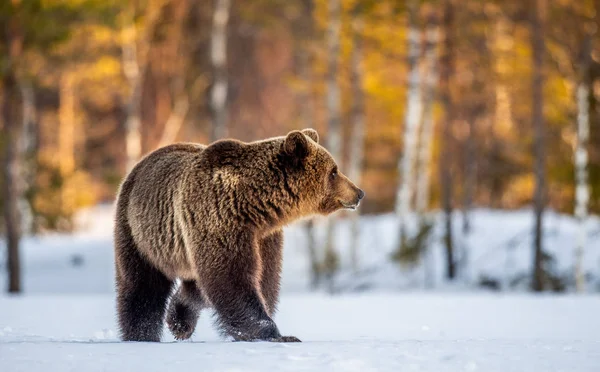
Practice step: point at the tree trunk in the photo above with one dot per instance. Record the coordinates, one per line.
(358, 126)
(537, 45)
(134, 73)
(307, 117)
(218, 58)
(427, 127)
(469, 180)
(12, 180)
(446, 73)
(414, 108)
(582, 193)
(28, 145)
(333, 130)
(426, 136)
(175, 121)
(135, 50)
(12, 166)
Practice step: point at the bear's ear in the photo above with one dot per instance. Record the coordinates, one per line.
(296, 145)
(312, 134)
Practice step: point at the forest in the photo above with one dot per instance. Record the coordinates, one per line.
(435, 108)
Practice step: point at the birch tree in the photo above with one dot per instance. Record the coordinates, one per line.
(538, 16)
(358, 124)
(218, 59)
(133, 73)
(28, 145)
(428, 124)
(582, 193)
(135, 47)
(426, 134)
(469, 180)
(414, 107)
(333, 127)
(177, 117)
(305, 33)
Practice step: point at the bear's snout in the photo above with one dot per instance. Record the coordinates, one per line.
(361, 195)
(351, 194)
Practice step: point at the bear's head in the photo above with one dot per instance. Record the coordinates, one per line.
(322, 188)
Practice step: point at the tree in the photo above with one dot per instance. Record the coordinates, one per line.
(414, 108)
(428, 123)
(358, 123)
(26, 28)
(135, 47)
(218, 57)
(582, 193)
(446, 74)
(13, 36)
(305, 34)
(537, 23)
(333, 122)
(427, 130)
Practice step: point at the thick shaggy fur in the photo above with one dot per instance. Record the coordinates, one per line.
(212, 217)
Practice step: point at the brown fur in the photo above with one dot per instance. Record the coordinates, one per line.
(212, 217)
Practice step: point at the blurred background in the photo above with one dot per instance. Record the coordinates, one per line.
(472, 125)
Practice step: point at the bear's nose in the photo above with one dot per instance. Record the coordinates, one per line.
(361, 194)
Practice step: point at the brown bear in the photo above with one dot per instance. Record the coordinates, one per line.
(212, 216)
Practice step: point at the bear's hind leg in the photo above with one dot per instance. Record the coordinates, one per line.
(142, 293)
(184, 310)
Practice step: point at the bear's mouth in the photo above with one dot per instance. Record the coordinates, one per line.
(352, 206)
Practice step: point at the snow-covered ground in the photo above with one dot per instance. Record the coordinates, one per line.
(66, 319)
(369, 332)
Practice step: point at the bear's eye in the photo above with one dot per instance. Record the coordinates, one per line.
(333, 173)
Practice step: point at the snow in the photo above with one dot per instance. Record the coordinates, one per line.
(66, 319)
(413, 332)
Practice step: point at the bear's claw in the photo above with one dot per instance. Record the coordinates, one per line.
(181, 330)
(181, 321)
(285, 339)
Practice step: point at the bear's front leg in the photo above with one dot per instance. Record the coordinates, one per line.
(231, 280)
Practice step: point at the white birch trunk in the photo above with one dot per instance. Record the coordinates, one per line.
(218, 58)
(28, 149)
(133, 73)
(334, 130)
(414, 108)
(427, 129)
(358, 129)
(582, 195)
(307, 117)
(175, 121)
(426, 138)
(135, 48)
